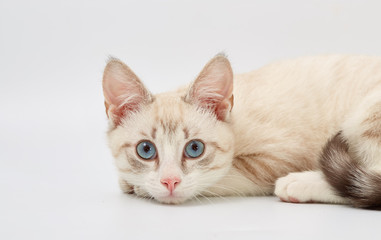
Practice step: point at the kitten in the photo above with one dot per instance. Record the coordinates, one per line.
(307, 130)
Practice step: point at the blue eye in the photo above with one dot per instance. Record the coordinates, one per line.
(194, 149)
(146, 150)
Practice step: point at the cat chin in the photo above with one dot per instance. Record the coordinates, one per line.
(177, 197)
(171, 199)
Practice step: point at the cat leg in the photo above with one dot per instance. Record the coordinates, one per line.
(350, 161)
(304, 187)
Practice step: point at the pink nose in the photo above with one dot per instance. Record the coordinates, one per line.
(170, 183)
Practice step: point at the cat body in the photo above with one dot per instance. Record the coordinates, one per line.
(269, 133)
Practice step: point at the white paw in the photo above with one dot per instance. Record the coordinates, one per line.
(295, 187)
(305, 187)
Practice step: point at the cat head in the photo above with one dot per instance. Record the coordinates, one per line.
(170, 146)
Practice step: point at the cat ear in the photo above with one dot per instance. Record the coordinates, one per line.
(213, 88)
(123, 91)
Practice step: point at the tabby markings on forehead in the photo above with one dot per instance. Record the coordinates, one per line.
(153, 132)
(169, 127)
(144, 134)
(186, 133)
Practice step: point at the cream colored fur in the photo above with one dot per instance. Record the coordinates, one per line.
(283, 115)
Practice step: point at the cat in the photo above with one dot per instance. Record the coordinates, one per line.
(306, 130)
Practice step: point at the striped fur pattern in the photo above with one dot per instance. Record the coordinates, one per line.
(264, 131)
(350, 178)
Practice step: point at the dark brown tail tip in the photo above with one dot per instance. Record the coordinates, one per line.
(348, 178)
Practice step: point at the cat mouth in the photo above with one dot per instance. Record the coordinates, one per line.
(171, 199)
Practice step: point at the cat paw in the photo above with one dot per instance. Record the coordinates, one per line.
(306, 187)
(296, 187)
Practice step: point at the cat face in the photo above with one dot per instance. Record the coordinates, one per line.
(175, 145)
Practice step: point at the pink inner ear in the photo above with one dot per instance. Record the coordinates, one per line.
(224, 108)
(213, 88)
(123, 91)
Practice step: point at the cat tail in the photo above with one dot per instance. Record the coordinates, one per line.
(348, 177)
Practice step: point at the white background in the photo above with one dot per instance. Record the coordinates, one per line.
(57, 179)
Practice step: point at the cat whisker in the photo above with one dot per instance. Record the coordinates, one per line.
(236, 192)
(195, 197)
(210, 201)
(214, 195)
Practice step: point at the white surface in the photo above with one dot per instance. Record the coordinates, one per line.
(57, 180)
